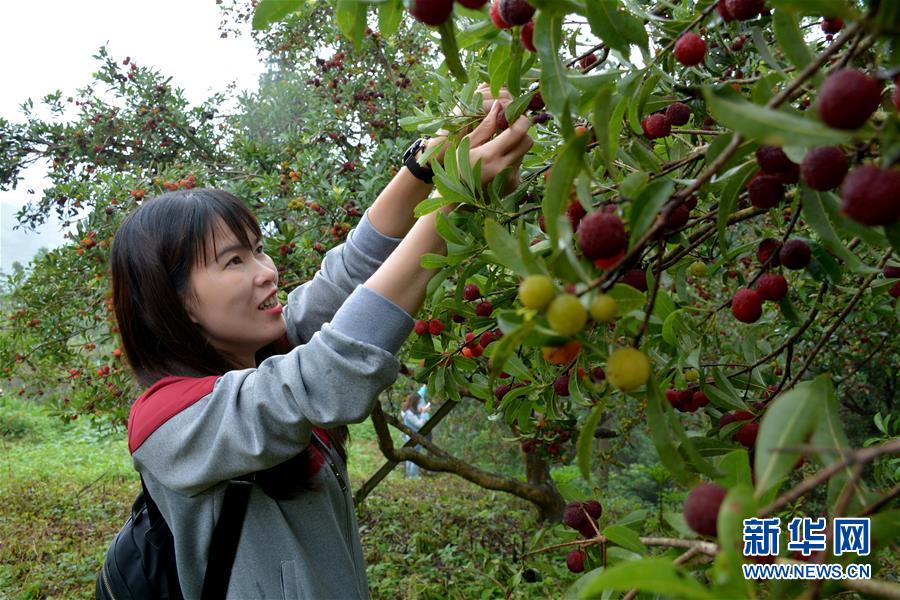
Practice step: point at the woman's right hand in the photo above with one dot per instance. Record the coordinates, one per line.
(505, 150)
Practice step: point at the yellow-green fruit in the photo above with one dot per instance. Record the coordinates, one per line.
(698, 269)
(691, 375)
(536, 291)
(604, 308)
(627, 369)
(566, 314)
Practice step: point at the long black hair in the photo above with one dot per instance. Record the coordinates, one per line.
(153, 254)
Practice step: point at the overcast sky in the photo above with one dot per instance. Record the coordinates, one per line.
(48, 44)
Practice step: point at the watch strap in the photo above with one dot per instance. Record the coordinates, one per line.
(410, 161)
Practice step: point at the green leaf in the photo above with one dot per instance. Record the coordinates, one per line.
(678, 330)
(773, 127)
(788, 421)
(636, 106)
(449, 231)
(893, 235)
(814, 214)
(790, 39)
(351, 18)
(655, 575)
(465, 167)
(625, 537)
(556, 89)
(451, 52)
(729, 199)
(869, 235)
(498, 68)
(633, 184)
(272, 11)
(726, 574)
(504, 247)
(735, 469)
(647, 205)
(585, 444)
(603, 108)
(762, 46)
(830, 434)
(606, 23)
(390, 13)
(662, 436)
(429, 205)
(559, 187)
(828, 8)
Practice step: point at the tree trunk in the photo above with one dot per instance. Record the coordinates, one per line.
(537, 473)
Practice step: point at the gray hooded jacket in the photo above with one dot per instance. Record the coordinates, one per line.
(189, 436)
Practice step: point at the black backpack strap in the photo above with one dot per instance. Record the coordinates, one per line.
(224, 542)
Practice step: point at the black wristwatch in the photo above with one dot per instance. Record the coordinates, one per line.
(410, 161)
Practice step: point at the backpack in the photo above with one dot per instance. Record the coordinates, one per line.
(140, 562)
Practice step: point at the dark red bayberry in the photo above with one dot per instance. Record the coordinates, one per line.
(722, 9)
(678, 217)
(772, 286)
(848, 98)
(744, 9)
(789, 176)
(701, 508)
(678, 113)
(484, 309)
(537, 102)
(871, 195)
(561, 385)
(795, 254)
(690, 49)
(587, 61)
(891, 272)
(574, 516)
(765, 191)
(471, 292)
(832, 25)
(435, 327)
(601, 235)
(746, 435)
(636, 278)
(526, 36)
(575, 561)
(824, 168)
(575, 213)
(421, 327)
(769, 247)
(656, 126)
(738, 415)
(772, 160)
(746, 306)
(516, 12)
(594, 509)
(431, 12)
(495, 16)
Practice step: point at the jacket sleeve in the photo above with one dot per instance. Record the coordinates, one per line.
(414, 421)
(343, 268)
(254, 419)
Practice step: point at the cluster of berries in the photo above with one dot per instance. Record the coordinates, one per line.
(582, 517)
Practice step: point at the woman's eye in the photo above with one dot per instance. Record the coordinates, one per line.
(259, 248)
(238, 258)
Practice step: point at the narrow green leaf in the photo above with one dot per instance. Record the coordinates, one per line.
(729, 199)
(735, 469)
(451, 52)
(814, 214)
(661, 435)
(726, 574)
(869, 235)
(654, 575)
(465, 168)
(272, 11)
(430, 205)
(625, 537)
(585, 444)
(762, 47)
(531, 263)
(647, 205)
(559, 187)
(514, 74)
(556, 89)
(607, 24)
(390, 13)
(498, 68)
(788, 421)
(603, 108)
(892, 232)
(449, 231)
(773, 127)
(504, 247)
(633, 184)
(786, 24)
(351, 19)
(636, 106)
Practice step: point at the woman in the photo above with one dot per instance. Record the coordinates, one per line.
(413, 417)
(239, 384)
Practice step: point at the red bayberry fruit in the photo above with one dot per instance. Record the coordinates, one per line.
(598, 374)
(738, 415)
(594, 509)
(471, 292)
(746, 435)
(496, 18)
(421, 327)
(575, 561)
(561, 385)
(772, 160)
(476, 4)
(699, 400)
(832, 25)
(824, 168)
(795, 254)
(871, 195)
(435, 327)
(575, 212)
(537, 102)
(701, 508)
(573, 515)
(674, 398)
(678, 217)
(484, 309)
(789, 176)
(601, 235)
(744, 9)
(722, 9)
(895, 290)
(516, 12)
(587, 61)
(636, 278)
(690, 49)
(848, 98)
(765, 191)
(678, 113)
(746, 306)
(656, 126)
(526, 36)
(769, 247)
(772, 286)
(431, 12)
(891, 272)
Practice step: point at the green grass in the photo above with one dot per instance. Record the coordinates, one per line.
(65, 489)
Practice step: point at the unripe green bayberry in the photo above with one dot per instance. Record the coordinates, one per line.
(627, 369)
(536, 291)
(604, 308)
(566, 314)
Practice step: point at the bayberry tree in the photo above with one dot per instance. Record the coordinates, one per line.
(712, 200)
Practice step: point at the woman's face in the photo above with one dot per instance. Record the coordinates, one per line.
(228, 291)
